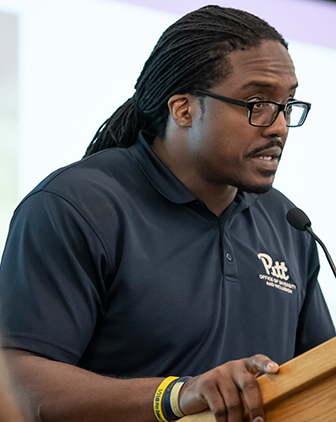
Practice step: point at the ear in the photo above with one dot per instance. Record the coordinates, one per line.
(181, 108)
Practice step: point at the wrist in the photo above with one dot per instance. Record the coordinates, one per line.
(166, 400)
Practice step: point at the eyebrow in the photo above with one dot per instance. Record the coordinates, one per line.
(263, 84)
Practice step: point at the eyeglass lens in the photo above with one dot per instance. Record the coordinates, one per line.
(264, 114)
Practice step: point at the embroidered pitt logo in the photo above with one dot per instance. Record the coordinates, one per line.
(276, 274)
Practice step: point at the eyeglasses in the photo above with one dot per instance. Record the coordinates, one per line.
(264, 113)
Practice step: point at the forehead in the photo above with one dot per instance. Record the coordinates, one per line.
(267, 66)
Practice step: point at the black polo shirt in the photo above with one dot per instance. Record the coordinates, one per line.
(113, 265)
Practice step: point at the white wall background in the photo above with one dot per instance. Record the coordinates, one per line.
(79, 60)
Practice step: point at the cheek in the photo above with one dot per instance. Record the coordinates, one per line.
(220, 154)
(222, 136)
(231, 126)
(228, 144)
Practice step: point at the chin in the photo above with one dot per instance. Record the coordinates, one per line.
(255, 188)
(262, 187)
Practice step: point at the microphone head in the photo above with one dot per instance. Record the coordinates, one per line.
(298, 219)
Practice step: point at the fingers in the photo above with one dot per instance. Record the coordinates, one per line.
(222, 397)
(252, 395)
(261, 363)
(222, 389)
(231, 402)
(250, 388)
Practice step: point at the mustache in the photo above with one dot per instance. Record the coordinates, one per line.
(270, 144)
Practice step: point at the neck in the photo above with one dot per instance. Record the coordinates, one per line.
(216, 196)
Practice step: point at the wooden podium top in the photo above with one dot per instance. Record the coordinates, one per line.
(303, 390)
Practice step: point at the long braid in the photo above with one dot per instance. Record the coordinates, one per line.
(191, 55)
(110, 133)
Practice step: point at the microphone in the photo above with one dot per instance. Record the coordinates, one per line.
(300, 221)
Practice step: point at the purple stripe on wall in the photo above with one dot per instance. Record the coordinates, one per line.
(309, 21)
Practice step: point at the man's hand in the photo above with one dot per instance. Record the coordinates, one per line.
(222, 388)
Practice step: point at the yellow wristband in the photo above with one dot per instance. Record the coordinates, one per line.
(158, 398)
(174, 397)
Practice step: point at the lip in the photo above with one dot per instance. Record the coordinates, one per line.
(267, 158)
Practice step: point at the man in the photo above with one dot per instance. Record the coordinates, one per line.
(167, 253)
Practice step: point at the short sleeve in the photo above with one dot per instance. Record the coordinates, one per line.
(315, 325)
(51, 279)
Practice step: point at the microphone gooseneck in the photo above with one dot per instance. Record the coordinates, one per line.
(300, 221)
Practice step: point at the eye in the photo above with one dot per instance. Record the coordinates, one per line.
(258, 105)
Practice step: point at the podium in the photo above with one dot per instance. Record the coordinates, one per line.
(303, 390)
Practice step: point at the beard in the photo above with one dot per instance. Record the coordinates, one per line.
(258, 189)
(231, 179)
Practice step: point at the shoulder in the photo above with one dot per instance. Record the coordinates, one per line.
(274, 196)
(274, 204)
(88, 179)
(103, 165)
(87, 194)
(269, 212)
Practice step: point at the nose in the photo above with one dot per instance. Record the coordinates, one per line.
(278, 128)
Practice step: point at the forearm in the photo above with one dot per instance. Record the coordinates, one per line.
(60, 392)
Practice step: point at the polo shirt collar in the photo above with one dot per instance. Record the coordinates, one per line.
(161, 177)
(157, 172)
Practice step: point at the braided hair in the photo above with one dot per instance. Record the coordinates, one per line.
(190, 55)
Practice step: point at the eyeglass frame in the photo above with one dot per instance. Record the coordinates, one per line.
(250, 104)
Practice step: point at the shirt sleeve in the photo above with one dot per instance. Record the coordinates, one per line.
(52, 276)
(315, 325)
